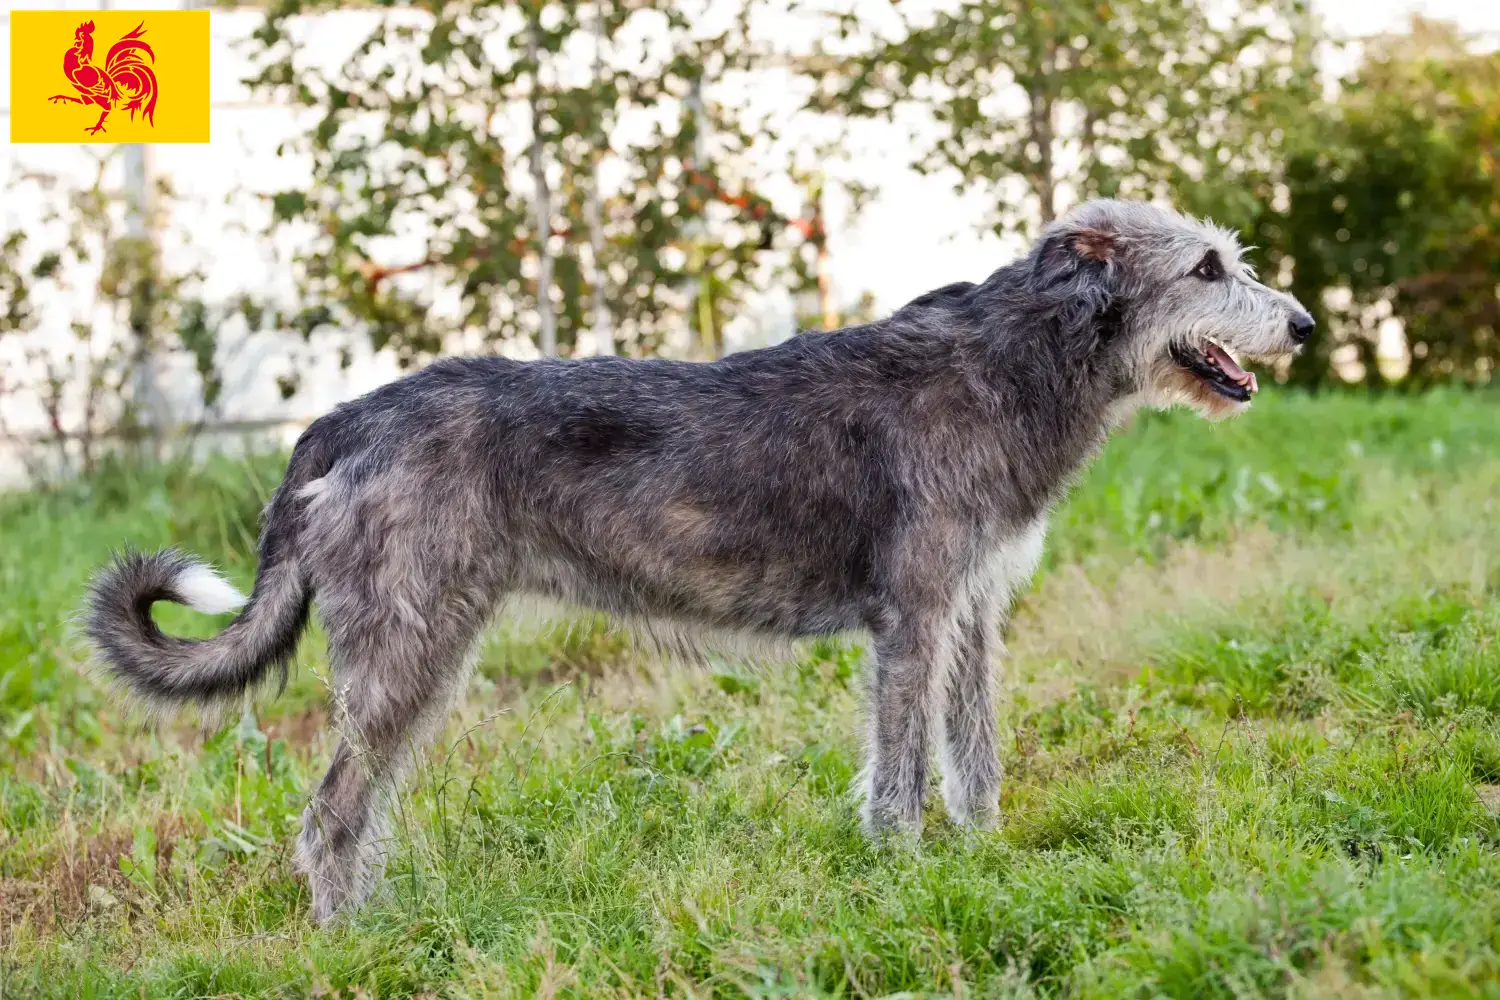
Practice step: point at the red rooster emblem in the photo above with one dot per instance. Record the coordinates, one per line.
(125, 76)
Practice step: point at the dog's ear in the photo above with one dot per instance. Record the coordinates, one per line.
(1068, 251)
(1073, 270)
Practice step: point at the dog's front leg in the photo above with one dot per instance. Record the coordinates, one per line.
(907, 659)
(969, 754)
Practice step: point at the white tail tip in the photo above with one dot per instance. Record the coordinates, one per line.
(204, 590)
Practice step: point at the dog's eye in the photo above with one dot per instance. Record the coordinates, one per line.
(1210, 268)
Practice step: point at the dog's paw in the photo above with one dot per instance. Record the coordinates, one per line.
(979, 821)
(973, 816)
(888, 827)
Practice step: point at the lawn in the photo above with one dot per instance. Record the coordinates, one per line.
(1250, 722)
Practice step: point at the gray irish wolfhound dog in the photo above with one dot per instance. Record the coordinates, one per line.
(893, 479)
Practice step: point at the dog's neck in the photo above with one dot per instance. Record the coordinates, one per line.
(1064, 420)
(1045, 406)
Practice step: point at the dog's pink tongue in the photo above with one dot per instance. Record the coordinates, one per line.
(1228, 367)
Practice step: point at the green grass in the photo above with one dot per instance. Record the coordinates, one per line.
(1251, 733)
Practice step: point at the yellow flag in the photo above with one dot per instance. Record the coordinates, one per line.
(109, 76)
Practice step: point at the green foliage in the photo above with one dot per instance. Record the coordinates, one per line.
(1151, 97)
(1394, 199)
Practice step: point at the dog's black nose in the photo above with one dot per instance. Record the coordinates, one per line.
(1300, 327)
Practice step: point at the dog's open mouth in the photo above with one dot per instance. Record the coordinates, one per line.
(1212, 365)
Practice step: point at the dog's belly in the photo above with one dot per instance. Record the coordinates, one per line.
(781, 598)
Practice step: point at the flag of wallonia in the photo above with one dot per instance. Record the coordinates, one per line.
(109, 76)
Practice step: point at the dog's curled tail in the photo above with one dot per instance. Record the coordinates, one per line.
(167, 671)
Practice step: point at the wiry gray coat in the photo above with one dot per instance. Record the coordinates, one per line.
(893, 478)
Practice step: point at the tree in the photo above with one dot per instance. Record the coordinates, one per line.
(1395, 203)
(491, 137)
(1042, 105)
(110, 306)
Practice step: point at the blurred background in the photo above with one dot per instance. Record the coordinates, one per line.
(387, 183)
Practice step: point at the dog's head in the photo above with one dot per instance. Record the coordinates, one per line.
(1166, 303)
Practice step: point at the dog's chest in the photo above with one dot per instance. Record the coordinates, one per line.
(1010, 562)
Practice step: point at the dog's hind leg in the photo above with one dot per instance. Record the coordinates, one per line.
(968, 752)
(393, 685)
